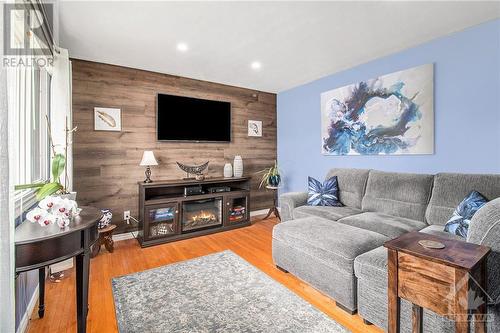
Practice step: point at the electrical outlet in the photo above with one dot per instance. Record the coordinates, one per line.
(126, 216)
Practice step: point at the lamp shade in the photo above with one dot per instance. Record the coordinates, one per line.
(148, 158)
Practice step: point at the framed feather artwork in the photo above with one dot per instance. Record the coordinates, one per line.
(107, 119)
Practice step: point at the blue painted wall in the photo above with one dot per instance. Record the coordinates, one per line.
(466, 107)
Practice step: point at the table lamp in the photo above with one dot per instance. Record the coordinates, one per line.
(148, 159)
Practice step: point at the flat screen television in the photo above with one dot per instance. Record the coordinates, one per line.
(180, 118)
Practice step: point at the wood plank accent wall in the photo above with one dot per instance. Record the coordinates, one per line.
(106, 167)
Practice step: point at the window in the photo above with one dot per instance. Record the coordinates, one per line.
(31, 100)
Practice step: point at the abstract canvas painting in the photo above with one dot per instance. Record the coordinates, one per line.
(389, 115)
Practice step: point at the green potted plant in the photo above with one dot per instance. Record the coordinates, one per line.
(270, 176)
(58, 164)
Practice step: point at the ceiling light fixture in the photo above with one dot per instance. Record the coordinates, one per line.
(183, 47)
(256, 65)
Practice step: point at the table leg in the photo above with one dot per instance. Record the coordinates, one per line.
(273, 210)
(268, 214)
(480, 312)
(417, 320)
(277, 213)
(82, 290)
(108, 242)
(41, 292)
(394, 302)
(96, 248)
(462, 314)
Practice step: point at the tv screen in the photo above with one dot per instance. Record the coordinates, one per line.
(191, 119)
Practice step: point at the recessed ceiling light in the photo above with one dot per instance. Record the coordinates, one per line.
(183, 47)
(256, 65)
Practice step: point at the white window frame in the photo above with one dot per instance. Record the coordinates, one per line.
(24, 102)
(29, 97)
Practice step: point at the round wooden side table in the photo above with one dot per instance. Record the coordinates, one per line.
(274, 208)
(105, 238)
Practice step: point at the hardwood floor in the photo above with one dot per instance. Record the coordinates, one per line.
(252, 243)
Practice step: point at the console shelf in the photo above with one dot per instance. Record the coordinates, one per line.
(167, 215)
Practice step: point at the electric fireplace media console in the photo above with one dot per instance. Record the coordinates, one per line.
(167, 215)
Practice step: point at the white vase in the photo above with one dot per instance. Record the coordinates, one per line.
(228, 170)
(238, 166)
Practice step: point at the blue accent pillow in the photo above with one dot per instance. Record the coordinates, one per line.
(326, 194)
(458, 224)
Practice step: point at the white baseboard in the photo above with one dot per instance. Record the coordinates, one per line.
(262, 212)
(23, 324)
(61, 266)
(128, 235)
(125, 236)
(258, 212)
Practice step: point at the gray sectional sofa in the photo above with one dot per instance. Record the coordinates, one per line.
(339, 250)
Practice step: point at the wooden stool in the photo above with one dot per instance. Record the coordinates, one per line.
(105, 238)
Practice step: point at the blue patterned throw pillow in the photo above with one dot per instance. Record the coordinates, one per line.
(326, 194)
(459, 222)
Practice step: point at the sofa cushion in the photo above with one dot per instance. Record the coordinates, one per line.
(451, 188)
(372, 266)
(327, 212)
(333, 243)
(438, 230)
(351, 184)
(387, 225)
(398, 194)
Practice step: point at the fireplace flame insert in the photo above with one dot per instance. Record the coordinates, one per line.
(201, 214)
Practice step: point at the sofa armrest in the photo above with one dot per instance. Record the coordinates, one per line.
(289, 201)
(484, 229)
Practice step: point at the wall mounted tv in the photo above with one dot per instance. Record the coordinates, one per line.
(181, 118)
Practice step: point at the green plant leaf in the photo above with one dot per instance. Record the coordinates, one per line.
(58, 163)
(26, 186)
(48, 189)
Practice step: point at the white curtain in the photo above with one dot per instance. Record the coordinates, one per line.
(7, 292)
(60, 109)
(7, 304)
(60, 120)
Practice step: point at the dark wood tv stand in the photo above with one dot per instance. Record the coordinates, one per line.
(166, 214)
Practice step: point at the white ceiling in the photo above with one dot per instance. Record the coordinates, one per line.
(296, 42)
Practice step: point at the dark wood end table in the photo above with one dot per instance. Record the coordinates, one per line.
(441, 280)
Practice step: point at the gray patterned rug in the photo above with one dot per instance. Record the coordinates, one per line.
(220, 292)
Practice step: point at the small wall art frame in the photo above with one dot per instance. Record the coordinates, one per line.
(254, 128)
(107, 119)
